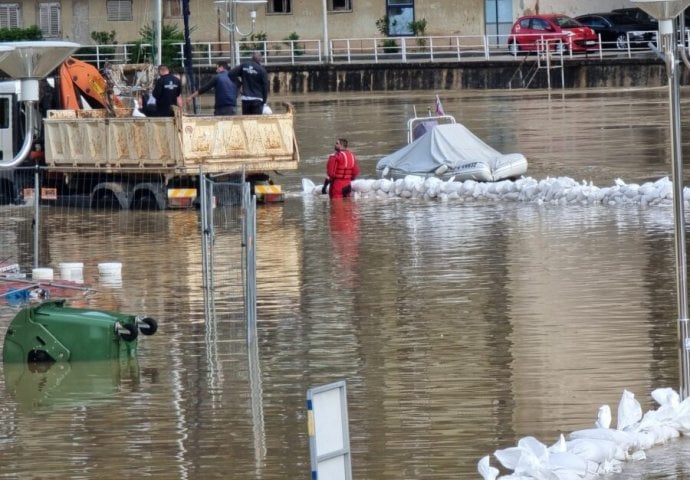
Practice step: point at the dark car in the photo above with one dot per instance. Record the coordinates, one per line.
(618, 29)
(639, 15)
(644, 17)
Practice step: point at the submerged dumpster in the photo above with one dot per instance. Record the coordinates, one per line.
(53, 332)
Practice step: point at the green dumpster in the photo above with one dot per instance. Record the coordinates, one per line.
(53, 332)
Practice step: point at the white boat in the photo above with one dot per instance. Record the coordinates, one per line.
(440, 147)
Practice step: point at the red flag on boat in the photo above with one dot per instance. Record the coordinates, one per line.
(439, 107)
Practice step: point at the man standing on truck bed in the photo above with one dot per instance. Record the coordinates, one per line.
(167, 92)
(226, 90)
(253, 78)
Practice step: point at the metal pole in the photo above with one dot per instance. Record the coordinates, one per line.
(234, 59)
(679, 221)
(37, 212)
(326, 50)
(159, 32)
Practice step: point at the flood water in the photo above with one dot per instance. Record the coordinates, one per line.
(459, 327)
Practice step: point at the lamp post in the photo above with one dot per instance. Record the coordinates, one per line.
(231, 19)
(666, 12)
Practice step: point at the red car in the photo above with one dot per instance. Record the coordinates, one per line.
(557, 31)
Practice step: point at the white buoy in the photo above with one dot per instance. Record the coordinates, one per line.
(110, 274)
(42, 274)
(72, 271)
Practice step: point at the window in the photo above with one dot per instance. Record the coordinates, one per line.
(279, 6)
(400, 14)
(9, 15)
(172, 9)
(49, 19)
(119, 10)
(539, 24)
(339, 5)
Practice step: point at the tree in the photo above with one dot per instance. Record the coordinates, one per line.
(170, 53)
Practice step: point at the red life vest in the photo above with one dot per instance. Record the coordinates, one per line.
(345, 165)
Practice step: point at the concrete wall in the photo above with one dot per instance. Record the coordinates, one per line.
(472, 75)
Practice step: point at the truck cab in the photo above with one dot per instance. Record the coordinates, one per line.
(11, 136)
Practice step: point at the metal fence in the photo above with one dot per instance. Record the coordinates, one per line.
(441, 48)
(228, 245)
(43, 227)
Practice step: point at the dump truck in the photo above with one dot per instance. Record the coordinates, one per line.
(105, 156)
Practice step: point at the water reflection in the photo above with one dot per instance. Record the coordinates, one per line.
(458, 327)
(65, 384)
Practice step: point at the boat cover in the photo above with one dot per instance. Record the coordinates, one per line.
(451, 144)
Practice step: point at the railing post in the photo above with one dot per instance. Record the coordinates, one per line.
(404, 49)
(37, 214)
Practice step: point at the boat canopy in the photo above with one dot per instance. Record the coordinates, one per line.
(451, 145)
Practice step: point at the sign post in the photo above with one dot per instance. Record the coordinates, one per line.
(329, 438)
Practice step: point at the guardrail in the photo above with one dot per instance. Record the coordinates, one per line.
(345, 50)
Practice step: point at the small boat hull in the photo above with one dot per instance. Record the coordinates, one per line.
(451, 151)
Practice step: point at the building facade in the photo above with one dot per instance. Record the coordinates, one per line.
(75, 20)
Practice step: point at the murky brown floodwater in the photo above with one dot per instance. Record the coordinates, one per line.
(459, 327)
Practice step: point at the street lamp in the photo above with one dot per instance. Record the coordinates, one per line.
(231, 18)
(666, 12)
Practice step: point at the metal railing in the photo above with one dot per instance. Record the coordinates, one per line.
(346, 50)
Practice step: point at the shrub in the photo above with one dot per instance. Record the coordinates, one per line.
(418, 27)
(257, 42)
(18, 34)
(170, 36)
(390, 46)
(292, 40)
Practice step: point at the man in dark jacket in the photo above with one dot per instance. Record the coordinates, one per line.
(253, 79)
(225, 88)
(167, 92)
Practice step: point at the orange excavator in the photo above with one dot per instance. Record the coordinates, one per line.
(82, 82)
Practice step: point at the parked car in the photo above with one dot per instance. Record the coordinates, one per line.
(531, 31)
(642, 16)
(638, 14)
(616, 30)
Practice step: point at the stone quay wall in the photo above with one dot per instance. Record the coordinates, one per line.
(382, 77)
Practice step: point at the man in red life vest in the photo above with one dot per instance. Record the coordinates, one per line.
(341, 169)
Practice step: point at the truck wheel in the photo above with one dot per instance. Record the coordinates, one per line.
(149, 327)
(132, 334)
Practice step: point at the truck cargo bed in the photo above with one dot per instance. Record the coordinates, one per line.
(88, 140)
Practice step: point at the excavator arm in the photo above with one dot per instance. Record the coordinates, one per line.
(81, 81)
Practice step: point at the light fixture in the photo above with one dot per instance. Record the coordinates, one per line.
(231, 15)
(30, 61)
